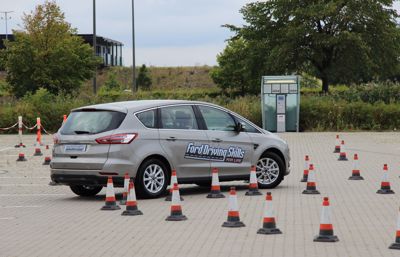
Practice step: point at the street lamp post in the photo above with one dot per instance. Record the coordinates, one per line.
(94, 46)
(6, 18)
(133, 48)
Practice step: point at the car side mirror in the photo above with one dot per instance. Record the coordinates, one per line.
(239, 127)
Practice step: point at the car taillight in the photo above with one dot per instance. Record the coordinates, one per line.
(56, 141)
(124, 138)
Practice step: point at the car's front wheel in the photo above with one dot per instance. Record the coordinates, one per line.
(270, 170)
(86, 190)
(152, 178)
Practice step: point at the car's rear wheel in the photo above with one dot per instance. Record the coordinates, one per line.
(270, 170)
(152, 178)
(86, 190)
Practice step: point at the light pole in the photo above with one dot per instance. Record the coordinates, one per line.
(133, 48)
(94, 45)
(6, 18)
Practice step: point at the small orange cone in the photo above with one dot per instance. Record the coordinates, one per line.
(21, 157)
(326, 227)
(269, 224)
(126, 190)
(47, 147)
(47, 160)
(337, 145)
(38, 152)
(342, 155)
(215, 186)
(385, 184)
(111, 204)
(131, 203)
(233, 211)
(174, 180)
(306, 165)
(253, 185)
(396, 244)
(355, 174)
(176, 208)
(311, 183)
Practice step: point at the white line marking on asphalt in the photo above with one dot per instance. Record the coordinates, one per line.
(24, 177)
(23, 185)
(7, 195)
(7, 218)
(21, 206)
(7, 148)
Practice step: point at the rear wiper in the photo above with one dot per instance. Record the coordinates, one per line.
(82, 132)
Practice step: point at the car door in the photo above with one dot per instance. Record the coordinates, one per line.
(181, 139)
(231, 151)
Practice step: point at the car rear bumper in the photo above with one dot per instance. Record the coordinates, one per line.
(88, 180)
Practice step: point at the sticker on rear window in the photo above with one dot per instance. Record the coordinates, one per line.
(233, 154)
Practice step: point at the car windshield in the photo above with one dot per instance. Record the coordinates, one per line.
(92, 122)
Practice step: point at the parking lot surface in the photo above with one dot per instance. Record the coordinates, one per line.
(37, 219)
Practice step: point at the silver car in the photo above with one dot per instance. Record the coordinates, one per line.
(147, 139)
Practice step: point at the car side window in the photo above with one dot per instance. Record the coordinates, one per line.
(148, 118)
(178, 117)
(216, 119)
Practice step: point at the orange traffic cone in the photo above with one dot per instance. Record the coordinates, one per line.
(233, 211)
(337, 145)
(126, 190)
(38, 152)
(47, 160)
(311, 184)
(253, 185)
(47, 147)
(269, 225)
(342, 155)
(215, 186)
(21, 157)
(325, 227)
(355, 174)
(111, 204)
(396, 244)
(174, 180)
(305, 172)
(131, 203)
(385, 184)
(176, 208)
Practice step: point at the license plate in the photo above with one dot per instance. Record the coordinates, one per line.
(75, 148)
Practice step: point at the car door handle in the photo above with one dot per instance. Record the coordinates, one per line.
(216, 140)
(171, 139)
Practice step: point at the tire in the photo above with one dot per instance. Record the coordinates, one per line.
(146, 185)
(270, 170)
(86, 191)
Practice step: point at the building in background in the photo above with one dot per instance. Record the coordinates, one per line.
(108, 49)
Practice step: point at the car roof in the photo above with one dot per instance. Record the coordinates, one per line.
(137, 105)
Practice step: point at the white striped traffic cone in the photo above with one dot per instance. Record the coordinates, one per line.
(110, 204)
(396, 244)
(131, 203)
(311, 183)
(126, 190)
(269, 224)
(233, 211)
(253, 185)
(385, 184)
(342, 155)
(176, 208)
(306, 165)
(326, 227)
(337, 145)
(215, 186)
(355, 174)
(174, 179)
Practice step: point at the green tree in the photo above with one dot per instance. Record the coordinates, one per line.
(47, 54)
(338, 41)
(143, 80)
(112, 83)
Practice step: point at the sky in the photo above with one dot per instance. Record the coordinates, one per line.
(167, 32)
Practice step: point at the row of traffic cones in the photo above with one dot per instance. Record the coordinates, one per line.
(37, 152)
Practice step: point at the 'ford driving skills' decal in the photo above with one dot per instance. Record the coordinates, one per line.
(206, 152)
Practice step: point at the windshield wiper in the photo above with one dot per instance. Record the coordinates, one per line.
(82, 132)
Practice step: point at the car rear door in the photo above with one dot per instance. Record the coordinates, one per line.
(76, 146)
(180, 138)
(232, 152)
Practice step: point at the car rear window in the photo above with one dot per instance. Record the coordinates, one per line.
(92, 122)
